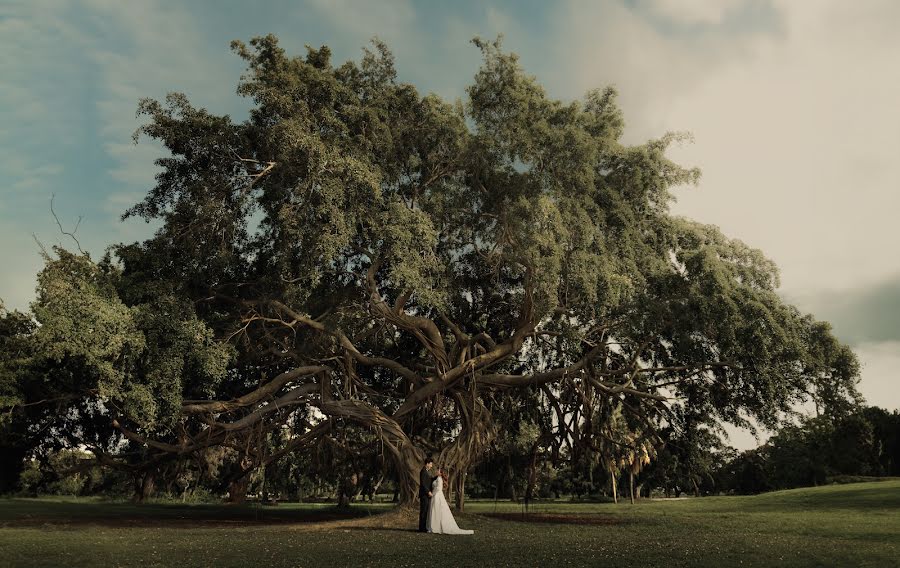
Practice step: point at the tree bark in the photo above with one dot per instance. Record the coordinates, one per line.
(347, 490)
(237, 489)
(13, 459)
(612, 476)
(373, 490)
(532, 475)
(461, 491)
(144, 485)
(631, 486)
(406, 456)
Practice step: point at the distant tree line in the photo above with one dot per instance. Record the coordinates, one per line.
(819, 450)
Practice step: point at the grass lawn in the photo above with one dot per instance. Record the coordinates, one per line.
(840, 525)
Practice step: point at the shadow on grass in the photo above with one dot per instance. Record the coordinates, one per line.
(40, 512)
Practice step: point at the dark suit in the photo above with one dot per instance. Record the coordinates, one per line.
(425, 481)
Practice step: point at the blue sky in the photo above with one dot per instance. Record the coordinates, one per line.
(793, 106)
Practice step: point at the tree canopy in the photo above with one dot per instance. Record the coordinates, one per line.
(358, 257)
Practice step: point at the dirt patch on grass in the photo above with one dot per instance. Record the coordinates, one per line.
(558, 518)
(403, 519)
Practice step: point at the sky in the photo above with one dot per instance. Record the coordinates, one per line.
(794, 107)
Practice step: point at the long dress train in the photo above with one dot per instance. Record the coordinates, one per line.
(440, 519)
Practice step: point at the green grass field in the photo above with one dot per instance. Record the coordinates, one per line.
(841, 525)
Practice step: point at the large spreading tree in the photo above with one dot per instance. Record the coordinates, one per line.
(359, 261)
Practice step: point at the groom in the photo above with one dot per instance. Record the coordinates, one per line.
(425, 481)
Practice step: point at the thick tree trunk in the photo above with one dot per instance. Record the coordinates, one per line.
(449, 488)
(237, 489)
(408, 466)
(406, 456)
(347, 490)
(13, 460)
(631, 486)
(477, 433)
(360, 486)
(532, 476)
(144, 485)
(461, 491)
(590, 474)
(373, 490)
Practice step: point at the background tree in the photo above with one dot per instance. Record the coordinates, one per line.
(692, 455)
(15, 438)
(815, 450)
(886, 439)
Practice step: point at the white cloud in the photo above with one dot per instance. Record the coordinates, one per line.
(441, 63)
(743, 439)
(21, 262)
(37, 119)
(163, 52)
(392, 19)
(880, 363)
(600, 44)
(73, 73)
(798, 146)
(795, 130)
(695, 11)
(28, 103)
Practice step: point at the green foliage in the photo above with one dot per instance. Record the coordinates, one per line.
(690, 461)
(886, 433)
(64, 472)
(137, 359)
(82, 318)
(15, 329)
(30, 478)
(16, 352)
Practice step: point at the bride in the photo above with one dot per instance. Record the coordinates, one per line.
(440, 519)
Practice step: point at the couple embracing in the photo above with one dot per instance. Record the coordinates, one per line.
(434, 512)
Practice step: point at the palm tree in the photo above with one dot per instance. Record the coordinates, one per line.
(623, 448)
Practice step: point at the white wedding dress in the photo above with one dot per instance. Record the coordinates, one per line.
(440, 519)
